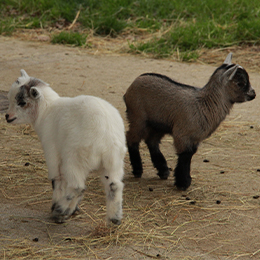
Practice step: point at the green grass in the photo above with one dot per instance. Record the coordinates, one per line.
(70, 38)
(192, 24)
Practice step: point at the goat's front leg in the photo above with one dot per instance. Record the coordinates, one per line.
(65, 200)
(182, 170)
(114, 198)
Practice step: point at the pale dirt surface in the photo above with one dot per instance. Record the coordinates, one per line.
(160, 223)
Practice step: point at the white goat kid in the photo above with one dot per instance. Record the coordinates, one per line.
(78, 135)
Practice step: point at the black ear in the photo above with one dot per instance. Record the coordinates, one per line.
(34, 93)
(231, 72)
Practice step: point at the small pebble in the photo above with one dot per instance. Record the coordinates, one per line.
(205, 160)
(218, 201)
(193, 202)
(27, 164)
(256, 197)
(150, 189)
(251, 126)
(36, 239)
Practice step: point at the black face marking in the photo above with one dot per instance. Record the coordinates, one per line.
(106, 177)
(20, 96)
(25, 91)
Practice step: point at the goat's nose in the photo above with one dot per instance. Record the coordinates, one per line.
(6, 116)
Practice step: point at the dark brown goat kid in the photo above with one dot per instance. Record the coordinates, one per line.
(157, 105)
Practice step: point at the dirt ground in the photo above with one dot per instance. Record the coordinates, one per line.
(216, 218)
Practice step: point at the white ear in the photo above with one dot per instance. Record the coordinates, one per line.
(34, 93)
(24, 74)
(228, 59)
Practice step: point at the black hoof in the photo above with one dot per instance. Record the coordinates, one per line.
(137, 174)
(183, 185)
(164, 174)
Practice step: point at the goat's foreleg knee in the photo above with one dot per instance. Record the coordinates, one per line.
(65, 200)
(114, 200)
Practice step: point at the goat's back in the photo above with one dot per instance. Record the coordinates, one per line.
(83, 121)
(158, 96)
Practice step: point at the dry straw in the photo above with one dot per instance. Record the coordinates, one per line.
(209, 221)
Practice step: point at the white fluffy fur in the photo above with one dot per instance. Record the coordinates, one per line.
(78, 135)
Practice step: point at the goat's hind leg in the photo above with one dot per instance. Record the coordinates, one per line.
(65, 200)
(159, 161)
(133, 141)
(68, 189)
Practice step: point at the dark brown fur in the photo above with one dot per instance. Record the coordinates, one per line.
(157, 105)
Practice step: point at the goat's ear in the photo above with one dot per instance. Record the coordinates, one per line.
(34, 93)
(231, 72)
(24, 74)
(228, 59)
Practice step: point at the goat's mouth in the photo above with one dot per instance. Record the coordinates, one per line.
(250, 97)
(11, 120)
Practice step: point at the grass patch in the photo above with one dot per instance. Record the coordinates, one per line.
(70, 38)
(178, 26)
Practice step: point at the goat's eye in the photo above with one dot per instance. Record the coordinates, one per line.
(21, 103)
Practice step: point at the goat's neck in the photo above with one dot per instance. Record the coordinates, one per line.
(44, 109)
(215, 103)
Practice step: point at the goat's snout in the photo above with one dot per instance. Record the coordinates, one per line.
(7, 117)
(251, 94)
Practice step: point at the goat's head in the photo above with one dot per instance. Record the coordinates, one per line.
(24, 96)
(235, 81)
